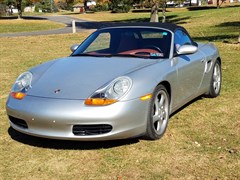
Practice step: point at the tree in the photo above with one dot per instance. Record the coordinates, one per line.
(17, 3)
(19, 7)
(155, 4)
(154, 12)
(9, 4)
(218, 3)
(63, 4)
(120, 6)
(20, 4)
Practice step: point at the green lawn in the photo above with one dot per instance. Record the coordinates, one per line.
(15, 25)
(202, 140)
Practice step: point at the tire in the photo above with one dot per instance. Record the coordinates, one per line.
(216, 81)
(158, 113)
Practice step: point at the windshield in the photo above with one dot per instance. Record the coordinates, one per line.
(134, 42)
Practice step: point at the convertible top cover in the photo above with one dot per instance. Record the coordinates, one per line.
(168, 26)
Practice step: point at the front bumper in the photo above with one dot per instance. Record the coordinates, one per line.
(55, 118)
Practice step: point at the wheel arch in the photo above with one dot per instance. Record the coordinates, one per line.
(219, 59)
(158, 114)
(167, 85)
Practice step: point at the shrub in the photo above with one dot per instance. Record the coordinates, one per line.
(2, 10)
(45, 6)
(101, 7)
(120, 6)
(38, 6)
(64, 5)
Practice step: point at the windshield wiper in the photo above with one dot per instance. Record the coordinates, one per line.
(92, 55)
(144, 56)
(137, 56)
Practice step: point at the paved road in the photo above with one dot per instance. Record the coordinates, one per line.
(67, 20)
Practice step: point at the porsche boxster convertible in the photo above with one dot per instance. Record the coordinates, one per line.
(123, 81)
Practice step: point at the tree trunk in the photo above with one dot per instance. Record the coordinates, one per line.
(154, 13)
(19, 7)
(164, 6)
(218, 4)
(85, 5)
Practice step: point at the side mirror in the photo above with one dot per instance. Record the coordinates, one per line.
(187, 49)
(74, 47)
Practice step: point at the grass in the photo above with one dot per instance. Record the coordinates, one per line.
(15, 25)
(216, 26)
(201, 142)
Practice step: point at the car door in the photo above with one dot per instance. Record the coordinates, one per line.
(190, 68)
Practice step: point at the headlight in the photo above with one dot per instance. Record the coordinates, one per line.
(21, 85)
(110, 93)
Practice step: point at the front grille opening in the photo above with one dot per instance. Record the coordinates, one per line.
(88, 130)
(18, 122)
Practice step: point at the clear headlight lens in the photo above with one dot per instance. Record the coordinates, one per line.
(118, 88)
(110, 93)
(21, 85)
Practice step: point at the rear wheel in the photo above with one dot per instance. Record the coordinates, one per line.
(216, 81)
(158, 113)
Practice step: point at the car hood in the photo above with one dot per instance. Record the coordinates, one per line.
(80, 77)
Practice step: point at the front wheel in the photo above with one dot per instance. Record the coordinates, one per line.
(216, 81)
(158, 113)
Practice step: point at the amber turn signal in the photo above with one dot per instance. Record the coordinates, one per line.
(18, 95)
(146, 97)
(99, 101)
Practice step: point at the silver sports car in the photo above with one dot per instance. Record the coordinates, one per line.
(123, 81)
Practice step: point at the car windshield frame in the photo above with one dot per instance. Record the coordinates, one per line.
(140, 42)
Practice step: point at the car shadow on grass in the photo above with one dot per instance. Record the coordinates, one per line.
(67, 144)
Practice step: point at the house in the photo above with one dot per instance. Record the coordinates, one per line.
(79, 8)
(29, 9)
(91, 3)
